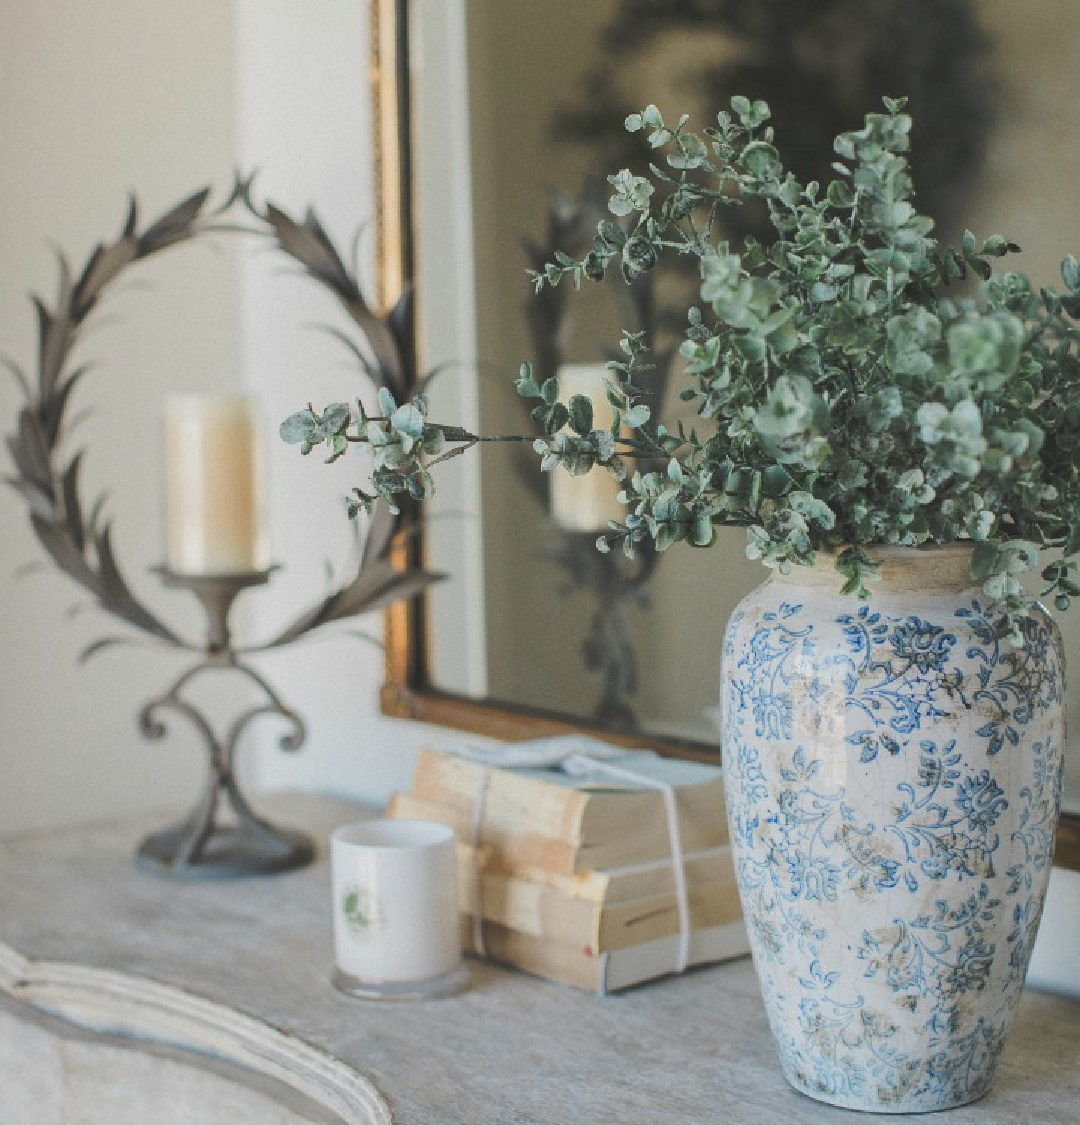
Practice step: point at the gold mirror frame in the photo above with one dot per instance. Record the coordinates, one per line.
(408, 692)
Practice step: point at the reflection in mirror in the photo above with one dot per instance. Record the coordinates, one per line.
(517, 122)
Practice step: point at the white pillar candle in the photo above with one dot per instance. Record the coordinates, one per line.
(588, 502)
(395, 910)
(213, 497)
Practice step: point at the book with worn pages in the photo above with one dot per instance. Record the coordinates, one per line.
(568, 823)
(611, 971)
(571, 877)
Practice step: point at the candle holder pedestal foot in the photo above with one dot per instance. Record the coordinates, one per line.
(208, 848)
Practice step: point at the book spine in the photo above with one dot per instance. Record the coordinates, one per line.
(643, 920)
(605, 972)
(623, 968)
(543, 912)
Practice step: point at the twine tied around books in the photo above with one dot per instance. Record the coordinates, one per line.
(577, 756)
(478, 882)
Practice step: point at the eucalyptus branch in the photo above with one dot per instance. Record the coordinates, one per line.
(847, 399)
(450, 433)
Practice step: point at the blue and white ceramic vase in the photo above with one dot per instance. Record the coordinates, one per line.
(893, 782)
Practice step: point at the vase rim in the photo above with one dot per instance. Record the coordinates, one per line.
(931, 568)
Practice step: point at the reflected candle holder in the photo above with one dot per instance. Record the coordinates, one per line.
(222, 837)
(608, 648)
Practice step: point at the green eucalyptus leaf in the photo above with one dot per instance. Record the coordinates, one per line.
(603, 442)
(527, 386)
(339, 444)
(299, 427)
(386, 402)
(581, 414)
(840, 194)
(852, 382)
(762, 161)
(612, 235)
(1070, 273)
(637, 416)
(776, 482)
(408, 421)
(984, 559)
(704, 533)
(335, 418)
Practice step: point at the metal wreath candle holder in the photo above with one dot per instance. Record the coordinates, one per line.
(79, 541)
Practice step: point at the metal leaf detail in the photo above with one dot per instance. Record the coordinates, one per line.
(80, 545)
(388, 337)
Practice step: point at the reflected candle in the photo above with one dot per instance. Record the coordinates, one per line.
(213, 498)
(588, 502)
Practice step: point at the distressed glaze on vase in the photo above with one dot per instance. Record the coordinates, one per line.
(893, 785)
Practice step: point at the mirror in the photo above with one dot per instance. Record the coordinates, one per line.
(511, 120)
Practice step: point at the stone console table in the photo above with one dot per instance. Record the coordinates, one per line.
(211, 988)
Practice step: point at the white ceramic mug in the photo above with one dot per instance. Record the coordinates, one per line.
(396, 930)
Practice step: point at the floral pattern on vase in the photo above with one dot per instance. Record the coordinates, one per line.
(893, 777)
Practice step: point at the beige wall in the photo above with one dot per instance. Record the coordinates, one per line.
(97, 100)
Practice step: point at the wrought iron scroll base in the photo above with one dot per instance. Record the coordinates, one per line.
(222, 837)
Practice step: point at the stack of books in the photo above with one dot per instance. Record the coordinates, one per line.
(571, 877)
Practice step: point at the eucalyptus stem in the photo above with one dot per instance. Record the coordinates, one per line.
(844, 396)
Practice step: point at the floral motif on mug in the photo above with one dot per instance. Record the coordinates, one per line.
(361, 910)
